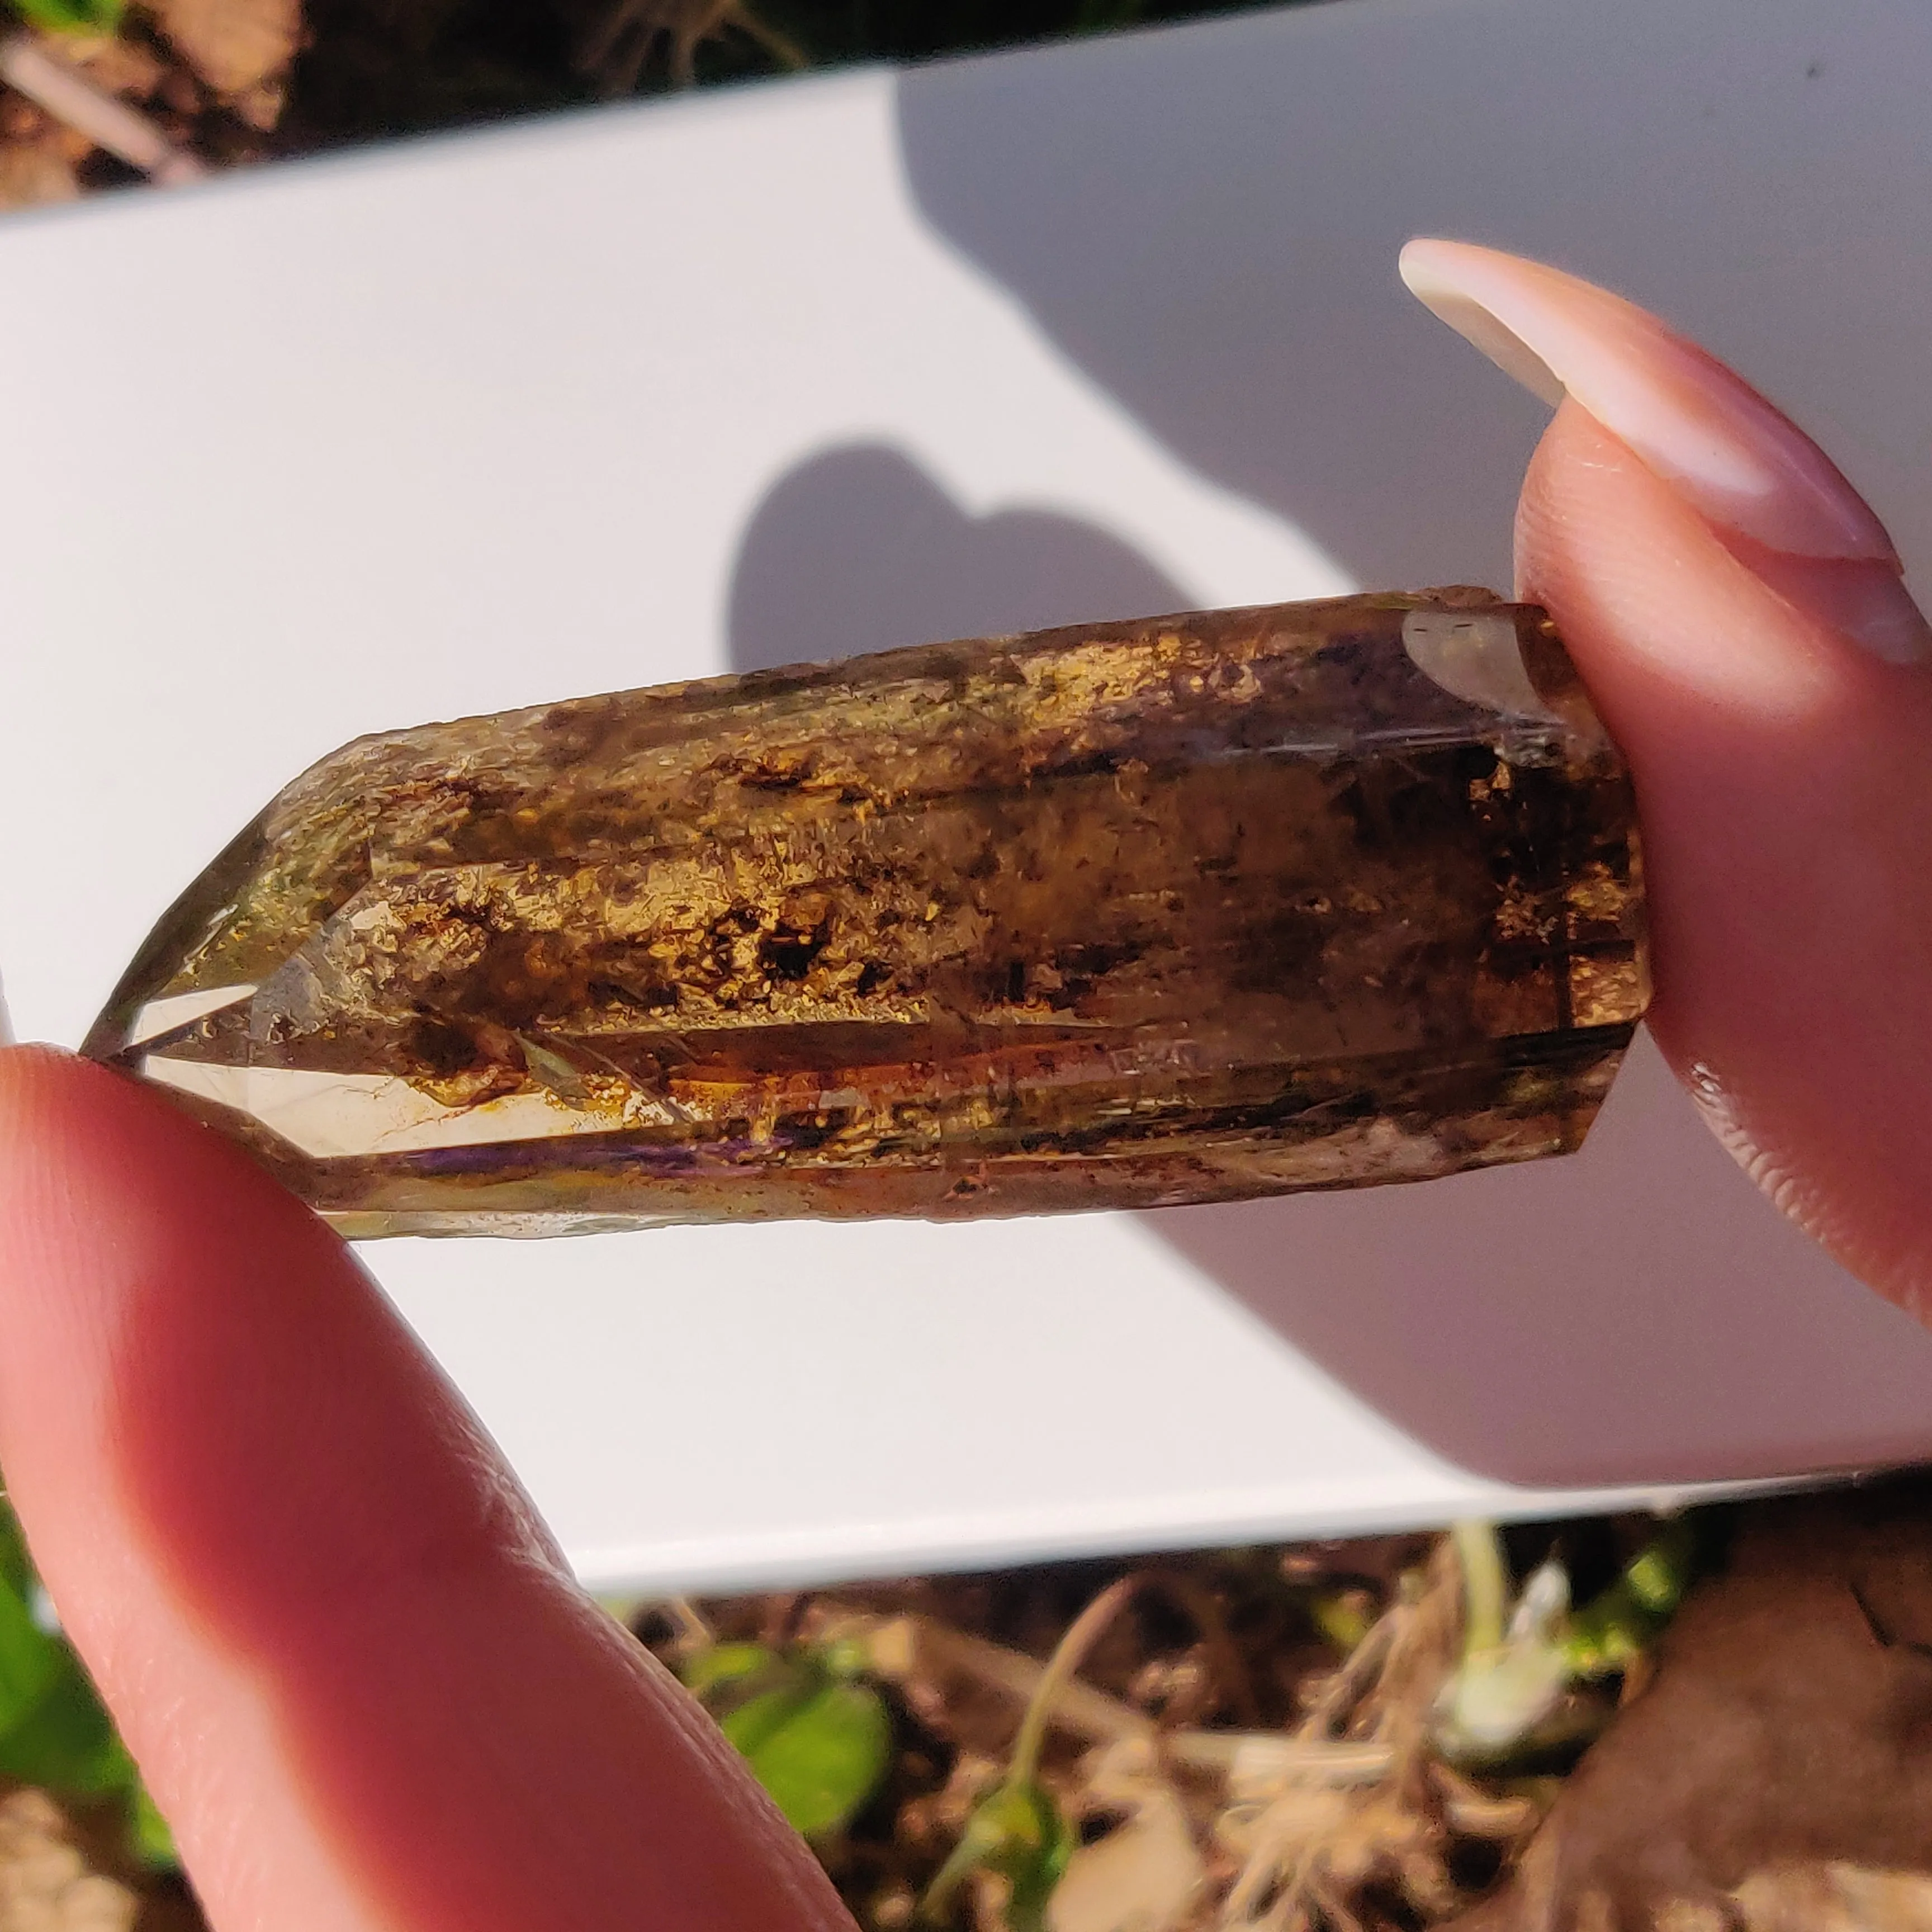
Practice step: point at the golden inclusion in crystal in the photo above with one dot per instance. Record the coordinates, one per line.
(1121, 915)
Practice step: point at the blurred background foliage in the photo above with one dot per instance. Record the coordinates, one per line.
(373, 66)
(220, 83)
(55, 1733)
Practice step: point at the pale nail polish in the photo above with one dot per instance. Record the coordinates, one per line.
(1867, 601)
(6, 1025)
(1762, 485)
(1692, 420)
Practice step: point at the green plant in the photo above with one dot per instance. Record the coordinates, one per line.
(1615, 1628)
(1018, 1830)
(54, 1732)
(71, 16)
(1521, 1661)
(816, 1735)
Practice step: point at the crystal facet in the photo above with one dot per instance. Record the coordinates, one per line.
(1121, 915)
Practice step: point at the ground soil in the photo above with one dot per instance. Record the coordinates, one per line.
(232, 82)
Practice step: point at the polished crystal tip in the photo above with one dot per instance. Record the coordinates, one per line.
(1121, 915)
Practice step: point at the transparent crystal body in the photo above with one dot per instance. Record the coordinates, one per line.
(1125, 915)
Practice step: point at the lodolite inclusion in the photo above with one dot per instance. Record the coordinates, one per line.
(1130, 914)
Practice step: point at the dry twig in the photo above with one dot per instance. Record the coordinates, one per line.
(28, 65)
(617, 53)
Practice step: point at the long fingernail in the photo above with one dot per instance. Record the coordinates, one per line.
(1758, 480)
(6, 1025)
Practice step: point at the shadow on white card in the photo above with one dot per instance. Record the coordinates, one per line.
(1206, 221)
(1638, 1314)
(858, 550)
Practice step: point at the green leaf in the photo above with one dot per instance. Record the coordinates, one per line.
(16, 1567)
(819, 1750)
(148, 1833)
(1343, 1617)
(818, 1741)
(71, 16)
(31, 1658)
(1018, 1831)
(1614, 1628)
(723, 1665)
(66, 1742)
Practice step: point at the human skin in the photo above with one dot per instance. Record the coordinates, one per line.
(355, 1672)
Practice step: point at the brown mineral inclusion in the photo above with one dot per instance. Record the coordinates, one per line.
(1121, 915)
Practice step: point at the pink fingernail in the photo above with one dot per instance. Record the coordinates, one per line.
(1762, 484)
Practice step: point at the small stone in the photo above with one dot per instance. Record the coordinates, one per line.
(235, 46)
(1185, 909)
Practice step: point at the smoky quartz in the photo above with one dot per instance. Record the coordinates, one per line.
(1121, 915)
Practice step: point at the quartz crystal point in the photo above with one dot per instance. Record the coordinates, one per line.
(1121, 915)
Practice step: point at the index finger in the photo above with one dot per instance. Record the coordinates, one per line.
(355, 1673)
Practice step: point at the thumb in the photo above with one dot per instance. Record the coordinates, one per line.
(1738, 613)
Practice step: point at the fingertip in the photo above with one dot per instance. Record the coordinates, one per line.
(1659, 610)
(105, 1185)
(348, 1656)
(59, 1108)
(28, 1073)
(1782, 788)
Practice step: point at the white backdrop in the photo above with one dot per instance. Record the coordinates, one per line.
(859, 360)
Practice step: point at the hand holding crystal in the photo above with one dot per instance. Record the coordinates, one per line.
(1739, 614)
(356, 1674)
